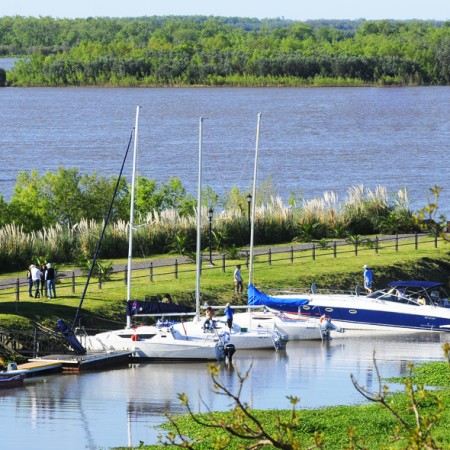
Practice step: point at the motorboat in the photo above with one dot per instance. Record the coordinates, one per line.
(12, 377)
(402, 305)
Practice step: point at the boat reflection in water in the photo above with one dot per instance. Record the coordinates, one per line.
(121, 407)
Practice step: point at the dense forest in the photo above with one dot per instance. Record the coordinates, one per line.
(217, 51)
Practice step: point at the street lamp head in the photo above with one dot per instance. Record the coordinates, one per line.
(249, 198)
(210, 213)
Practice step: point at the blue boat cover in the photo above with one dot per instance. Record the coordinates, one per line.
(415, 284)
(71, 338)
(256, 297)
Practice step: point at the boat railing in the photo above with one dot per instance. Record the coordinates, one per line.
(309, 292)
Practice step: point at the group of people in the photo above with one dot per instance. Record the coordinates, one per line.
(209, 313)
(41, 281)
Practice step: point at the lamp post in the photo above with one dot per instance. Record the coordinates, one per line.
(249, 203)
(210, 216)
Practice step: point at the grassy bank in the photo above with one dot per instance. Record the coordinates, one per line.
(104, 307)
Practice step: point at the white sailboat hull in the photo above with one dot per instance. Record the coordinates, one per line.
(150, 342)
(296, 329)
(243, 338)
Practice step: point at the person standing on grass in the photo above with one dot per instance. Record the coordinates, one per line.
(238, 286)
(36, 277)
(368, 276)
(50, 276)
(30, 281)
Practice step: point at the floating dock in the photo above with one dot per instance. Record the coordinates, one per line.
(38, 367)
(72, 363)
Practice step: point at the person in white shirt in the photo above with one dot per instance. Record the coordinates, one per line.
(238, 286)
(36, 277)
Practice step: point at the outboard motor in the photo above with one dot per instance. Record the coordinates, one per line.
(326, 326)
(229, 351)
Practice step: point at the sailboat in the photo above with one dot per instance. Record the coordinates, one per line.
(163, 341)
(294, 326)
(242, 338)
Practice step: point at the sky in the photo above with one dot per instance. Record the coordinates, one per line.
(288, 9)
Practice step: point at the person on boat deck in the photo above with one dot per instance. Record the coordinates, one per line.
(167, 299)
(229, 311)
(209, 322)
(368, 276)
(238, 286)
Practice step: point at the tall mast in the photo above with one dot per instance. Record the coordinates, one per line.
(130, 236)
(199, 221)
(252, 219)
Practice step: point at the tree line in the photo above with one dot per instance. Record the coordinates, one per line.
(224, 51)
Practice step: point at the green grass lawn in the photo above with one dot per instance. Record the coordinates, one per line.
(106, 303)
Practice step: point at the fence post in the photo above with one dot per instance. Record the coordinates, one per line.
(125, 275)
(435, 240)
(247, 259)
(376, 245)
(416, 240)
(396, 242)
(73, 282)
(356, 249)
(314, 252)
(223, 262)
(17, 290)
(151, 272)
(100, 280)
(334, 249)
(270, 257)
(176, 267)
(292, 254)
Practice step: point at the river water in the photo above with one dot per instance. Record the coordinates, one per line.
(122, 407)
(312, 140)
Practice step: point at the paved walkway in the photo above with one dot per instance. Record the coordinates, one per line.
(170, 260)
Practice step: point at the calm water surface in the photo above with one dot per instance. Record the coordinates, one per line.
(121, 407)
(312, 140)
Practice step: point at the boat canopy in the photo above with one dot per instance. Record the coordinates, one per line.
(138, 307)
(415, 284)
(256, 297)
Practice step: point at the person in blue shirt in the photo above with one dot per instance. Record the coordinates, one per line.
(368, 279)
(229, 311)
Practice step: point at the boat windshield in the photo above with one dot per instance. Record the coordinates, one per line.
(413, 295)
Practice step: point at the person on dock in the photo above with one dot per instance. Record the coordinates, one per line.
(238, 286)
(368, 277)
(50, 277)
(229, 311)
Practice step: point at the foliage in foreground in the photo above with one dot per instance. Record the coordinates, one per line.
(416, 419)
